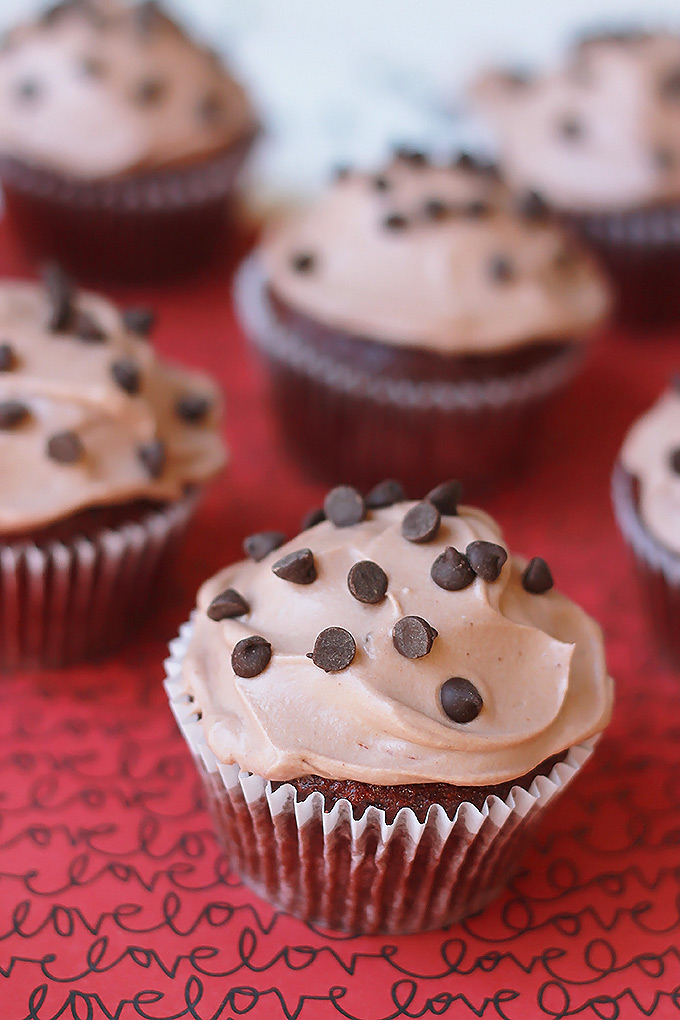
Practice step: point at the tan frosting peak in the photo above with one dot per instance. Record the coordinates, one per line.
(66, 384)
(536, 660)
(601, 132)
(101, 88)
(646, 454)
(436, 282)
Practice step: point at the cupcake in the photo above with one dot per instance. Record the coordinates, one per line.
(103, 449)
(120, 139)
(382, 708)
(646, 496)
(599, 140)
(415, 321)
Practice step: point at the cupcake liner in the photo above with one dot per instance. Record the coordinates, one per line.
(362, 875)
(658, 569)
(347, 424)
(65, 602)
(141, 227)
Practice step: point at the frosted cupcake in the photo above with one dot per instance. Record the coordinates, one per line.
(103, 449)
(598, 139)
(120, 139)
(415, 321)
(382, 708)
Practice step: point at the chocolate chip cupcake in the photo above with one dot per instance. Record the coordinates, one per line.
(414, 322)
(598, 138)
(103, 449)
(382, 707)
(646, 496)
(120, 139)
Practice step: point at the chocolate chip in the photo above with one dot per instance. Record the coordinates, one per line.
(384, 494)
(210, 108)
(92, 67)
(303, 262)
(262, 543)
(127, 375)
(464, 161)
(446, 497)
(669, 85)
(410, 155)
(313, 517)
(193, 408)
(86, 328)
(501, 269)
(28, 89)
(421, 523)
(517, 77)
(486, 559)
(139, 320)
(227, 605)
(412, 637)
(297, 567)
(566, 257)
(64, 447)
(367, 582)
(12, 413)
(664, 158)
(435, 209)
(148, 91)
(334, 649)
(532, 206)
(537, 578)
(344, 506)
(570, 128)
(59, 297)
(250, 656)
(452, 571)
(460, 699)
(674, 460)
(476, 209)
(381, 183)
(342, 172)
(153, 456)
(395, 221)
(7, 357)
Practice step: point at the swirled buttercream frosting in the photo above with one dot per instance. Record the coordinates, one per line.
(400, 644)
(89, 415)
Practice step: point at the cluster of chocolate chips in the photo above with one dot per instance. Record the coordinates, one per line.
(412, 636)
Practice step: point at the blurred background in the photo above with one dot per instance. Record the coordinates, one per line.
(339, 80)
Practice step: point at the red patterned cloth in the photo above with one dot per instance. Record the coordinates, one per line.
(114, 898)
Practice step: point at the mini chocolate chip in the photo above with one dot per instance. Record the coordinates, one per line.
(148, 91)
(464, 161)
(669, 85)
(28, 89)
(410, 155)
(537, 578)
(210, 108)
(12, 413)
(297, 567)
(486, 559)
(334, 649)
(435, 209)
(566, 257)
(674, 460)
(64, 447)
(532, 206)
(139, 320)
(303, 262)
(501, 269)
(193, 408)
(395, 221)
(446, 497)
(460, 699)
(153, 456)
(341, 172)
(7, 357)
(127, 375)
(227, 605)
(367, 582)
(664, 158)
(412, 637)
(344, 506)
(313, 517)
(59, 297)
(476, 209)
(92, 67)
(250, 656)
(517, 77)
(421, 523)
(452, 571)
(385, 493)
(381, 183)
(86, 328)
(262, 543)
(570, 128)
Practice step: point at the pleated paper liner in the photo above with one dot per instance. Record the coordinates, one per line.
(363, 875)
(658, 568)
(346, 424)
(69, 601)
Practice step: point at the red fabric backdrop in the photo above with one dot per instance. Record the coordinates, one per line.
(114, 899)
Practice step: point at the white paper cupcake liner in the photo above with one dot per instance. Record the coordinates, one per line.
(64, 602)
(362, 875)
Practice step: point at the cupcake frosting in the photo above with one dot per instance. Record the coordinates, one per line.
(431, 256)
(392, 650)
(99, 88)
(88, 414)
(602, 132)
(651, 452)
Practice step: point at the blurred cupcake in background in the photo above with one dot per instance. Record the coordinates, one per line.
(415, 320)
(646, 496)
(599, 140)
(121, 139)
(103, 450)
